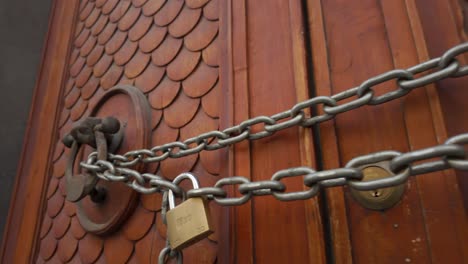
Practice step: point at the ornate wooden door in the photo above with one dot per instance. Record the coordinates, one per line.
(170, 51)
(205, 65)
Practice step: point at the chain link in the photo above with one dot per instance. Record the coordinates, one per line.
(451, 154)
(402, 165)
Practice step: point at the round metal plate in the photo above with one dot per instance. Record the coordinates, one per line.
(131, 108)
(380, 199)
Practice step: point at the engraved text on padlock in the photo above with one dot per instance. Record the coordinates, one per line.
(189, 222)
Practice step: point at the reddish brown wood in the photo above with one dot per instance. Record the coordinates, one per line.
(202, 35)
(90, 248)
(67, 247)
(92, 18)
(183, 65)
(77, 66)
(165, 94)
(349, 59)
(151, 202)
(102, 65)
(111, 77)
(138, 224)
(200, 81)
(440, 36)
(168, 13)
(101, 59)
(113, 59)
(196, 3)
(115, 42)
(61, 225)
(140, 28)
(117, 249)
(126, 52)
(181, 111)
(201, 122)
(150, 78)
(109, 6)
(152, 6)
(171, 168)
(156, 116)
(208, 64)
(81, 39)
(48, 247)
(107, 33)
(83, 76)
(185, 22)
(119, 11)
(76, 229)
(144, 247)
(251, 88)
(100, 24)
(88, 46)
(137, 65)
(211, 103)
(129, 19)
(152, 38)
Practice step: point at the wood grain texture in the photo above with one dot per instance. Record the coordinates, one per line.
(265, 230)
(208, 64)
(451, 92)
(361, 40)
(140, 43)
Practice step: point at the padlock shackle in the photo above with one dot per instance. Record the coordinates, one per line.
(176, 181)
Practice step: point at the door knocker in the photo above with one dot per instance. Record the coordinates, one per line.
(99, 134)
(120, 121)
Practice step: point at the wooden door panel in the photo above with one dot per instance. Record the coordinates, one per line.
(168, 49)
(364, 39)
(267, 73)
(452, 92)
(209, 64)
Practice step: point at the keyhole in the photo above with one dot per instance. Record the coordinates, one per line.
(376, 193)
(98, 194)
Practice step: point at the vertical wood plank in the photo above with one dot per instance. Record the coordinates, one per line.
(440, 34)
(227, 240)
(433, 188)
(269, 75)
(278, 226)
(365, 39)
(241, 232)
(438, 37)
(314, 225)
(338, 232)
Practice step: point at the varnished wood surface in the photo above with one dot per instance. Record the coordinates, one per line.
(267, 63)
(363, 39)
(452, 93)
(209, 64)
(169, 50)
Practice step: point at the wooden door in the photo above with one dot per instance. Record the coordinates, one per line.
(170, 51)
(208, 64)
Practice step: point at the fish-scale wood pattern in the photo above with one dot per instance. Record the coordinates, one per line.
(169, 50)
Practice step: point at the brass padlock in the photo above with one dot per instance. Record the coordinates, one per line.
(190, 221)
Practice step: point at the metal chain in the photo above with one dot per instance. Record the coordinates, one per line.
(116, 168)
(451, 154)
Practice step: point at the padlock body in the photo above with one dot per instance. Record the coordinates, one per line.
(188, 223)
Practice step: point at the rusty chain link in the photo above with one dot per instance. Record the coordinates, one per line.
(451, 154)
